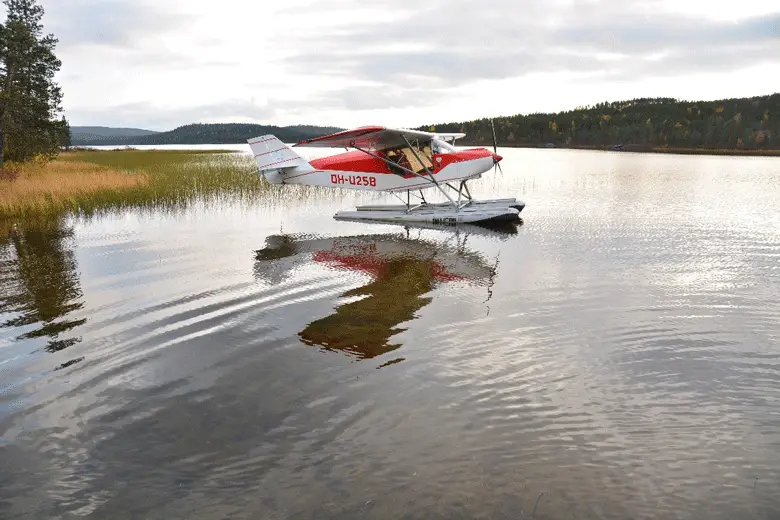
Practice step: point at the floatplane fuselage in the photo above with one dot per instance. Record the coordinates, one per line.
(393, 161)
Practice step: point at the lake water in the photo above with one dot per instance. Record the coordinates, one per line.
(615, 356)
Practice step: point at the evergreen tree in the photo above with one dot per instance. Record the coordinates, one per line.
(65, 138)
(29, 97)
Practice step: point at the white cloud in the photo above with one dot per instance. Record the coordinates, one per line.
(400, 62)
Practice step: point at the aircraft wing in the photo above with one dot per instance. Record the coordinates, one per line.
(449, 137)
(371, 138)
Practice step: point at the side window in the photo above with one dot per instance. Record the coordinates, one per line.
(442, 147)
(426, 155)
(397, 158)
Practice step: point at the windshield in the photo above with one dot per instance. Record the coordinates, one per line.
(440, 146)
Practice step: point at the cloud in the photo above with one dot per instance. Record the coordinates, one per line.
(157, 117)
(459, 42)
(396, 61)
(367, 97)
(705, 60)
(118, 23)
(631, 33)
(152, 116)
(445, 67)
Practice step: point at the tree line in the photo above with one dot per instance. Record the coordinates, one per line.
(741, 123)
(30, 100)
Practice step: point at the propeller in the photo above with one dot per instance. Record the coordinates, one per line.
(495, 148)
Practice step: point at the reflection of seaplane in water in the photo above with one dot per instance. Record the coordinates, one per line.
(401, 269)
(393, 161)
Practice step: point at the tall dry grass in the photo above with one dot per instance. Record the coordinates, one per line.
(85, 182)
(88, 182)
(176, 176)
(60, 185)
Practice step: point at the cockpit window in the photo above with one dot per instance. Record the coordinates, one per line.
(440, 146)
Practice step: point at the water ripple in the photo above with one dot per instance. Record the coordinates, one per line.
(613, 357)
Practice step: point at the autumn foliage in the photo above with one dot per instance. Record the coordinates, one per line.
(745, 123)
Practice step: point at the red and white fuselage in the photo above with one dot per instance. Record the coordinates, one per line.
(356, 170)
(389, 160)
(360, 170)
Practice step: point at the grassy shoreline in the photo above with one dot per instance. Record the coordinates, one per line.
(85, 182)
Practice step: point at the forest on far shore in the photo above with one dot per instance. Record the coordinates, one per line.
(743, 123)
(212, 133)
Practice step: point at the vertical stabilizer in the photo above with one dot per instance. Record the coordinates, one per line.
(274, 158)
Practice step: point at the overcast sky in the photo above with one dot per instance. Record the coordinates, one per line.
(158, 64)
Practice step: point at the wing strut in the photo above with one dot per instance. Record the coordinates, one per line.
(462, 190)
(428, 178)
(388, 161)
(430, 174)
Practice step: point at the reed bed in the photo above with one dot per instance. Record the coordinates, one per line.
(61, 186)
(85, 182)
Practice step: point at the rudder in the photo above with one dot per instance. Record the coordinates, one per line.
(272, 154)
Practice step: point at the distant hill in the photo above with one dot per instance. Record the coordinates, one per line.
(220, 133)
(104, 134)
(741, 123)
(107, 131)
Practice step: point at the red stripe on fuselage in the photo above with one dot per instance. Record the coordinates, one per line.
(361, 162)
(358, 162)
(461, 156)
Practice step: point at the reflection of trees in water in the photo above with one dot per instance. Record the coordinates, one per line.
(40, 282)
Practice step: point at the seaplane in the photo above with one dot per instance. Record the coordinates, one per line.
(395, 161)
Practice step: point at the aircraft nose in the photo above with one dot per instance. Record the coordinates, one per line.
(496, 157)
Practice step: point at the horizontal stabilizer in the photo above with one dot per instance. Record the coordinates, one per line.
(272, 154)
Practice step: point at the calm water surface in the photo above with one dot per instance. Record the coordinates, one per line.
(615, 356)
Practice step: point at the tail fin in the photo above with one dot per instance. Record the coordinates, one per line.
(274, 157)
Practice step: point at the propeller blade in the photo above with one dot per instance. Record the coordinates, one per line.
(498, 166)
(495, 148)
(493, 127)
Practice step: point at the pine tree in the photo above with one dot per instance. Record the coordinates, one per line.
(65, 141)
(29, 97)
